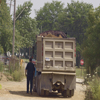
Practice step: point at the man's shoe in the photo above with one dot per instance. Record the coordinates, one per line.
(31, 93)
(27, 92)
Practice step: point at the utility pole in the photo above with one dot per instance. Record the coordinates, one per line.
(14, 28)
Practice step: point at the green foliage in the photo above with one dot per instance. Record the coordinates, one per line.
(15, 70)
(1, 66)
(78, 47)
(23, 11)
(80, 72)
(26, 26)
(73, 19)
(5, 28)
(13, 65)
(47, 16)
(26, 60)
(98, 71)
(93, 89)
(90, 47)
(18, 75)
(1, 49)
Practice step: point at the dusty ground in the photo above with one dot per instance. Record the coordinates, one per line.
(17, 91)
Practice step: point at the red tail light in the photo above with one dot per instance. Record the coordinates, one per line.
(42, 49)
(75, 49)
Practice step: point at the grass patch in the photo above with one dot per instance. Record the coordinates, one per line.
(18, 75)
(80, 72)
(26, 60)
(8, 75)
(93, 89)
(1, 66)
(13, 72)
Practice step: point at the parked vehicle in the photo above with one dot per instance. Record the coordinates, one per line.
(56, 60)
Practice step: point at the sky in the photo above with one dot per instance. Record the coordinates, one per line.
(37, 4)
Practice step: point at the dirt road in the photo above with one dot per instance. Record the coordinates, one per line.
(17, 91)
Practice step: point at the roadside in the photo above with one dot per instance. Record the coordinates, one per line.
(17, 91)
(79, 80)
(12, 90)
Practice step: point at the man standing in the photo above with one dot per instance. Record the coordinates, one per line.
(29, 72)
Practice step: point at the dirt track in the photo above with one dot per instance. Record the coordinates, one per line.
(17, 91)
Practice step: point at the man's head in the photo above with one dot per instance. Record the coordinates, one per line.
(30, 59)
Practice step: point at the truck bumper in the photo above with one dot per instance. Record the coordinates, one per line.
(53, 81)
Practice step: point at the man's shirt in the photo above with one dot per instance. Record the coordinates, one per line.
(30, 69)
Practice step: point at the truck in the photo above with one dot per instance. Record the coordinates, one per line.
(56, 60)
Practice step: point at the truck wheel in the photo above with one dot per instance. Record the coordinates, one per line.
(46, 92)
(72, 92)
(38, 86)
(42, 92)
(64, 93)
(34, 89)
(38, 90)
(68, 93)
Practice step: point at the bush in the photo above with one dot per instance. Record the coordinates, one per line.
(8, 75)
(1, 66)
(93, 89)
(14, 64)
(18, 75)
(98, 71)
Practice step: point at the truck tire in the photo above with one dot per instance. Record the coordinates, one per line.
(72, 92)
(42, 92)
(38, 86)
(64, 93)
(38, 90)
(34, 89)
(46, 93)
(68, 93)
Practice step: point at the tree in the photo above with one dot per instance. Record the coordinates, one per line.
(73, 20)
(48, 15)
(91, 50)
(5, 28)
(1, 49)
(26, 26)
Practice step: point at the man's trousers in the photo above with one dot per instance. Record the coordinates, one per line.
(29, 82)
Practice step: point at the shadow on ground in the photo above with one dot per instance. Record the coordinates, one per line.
(23, 93)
